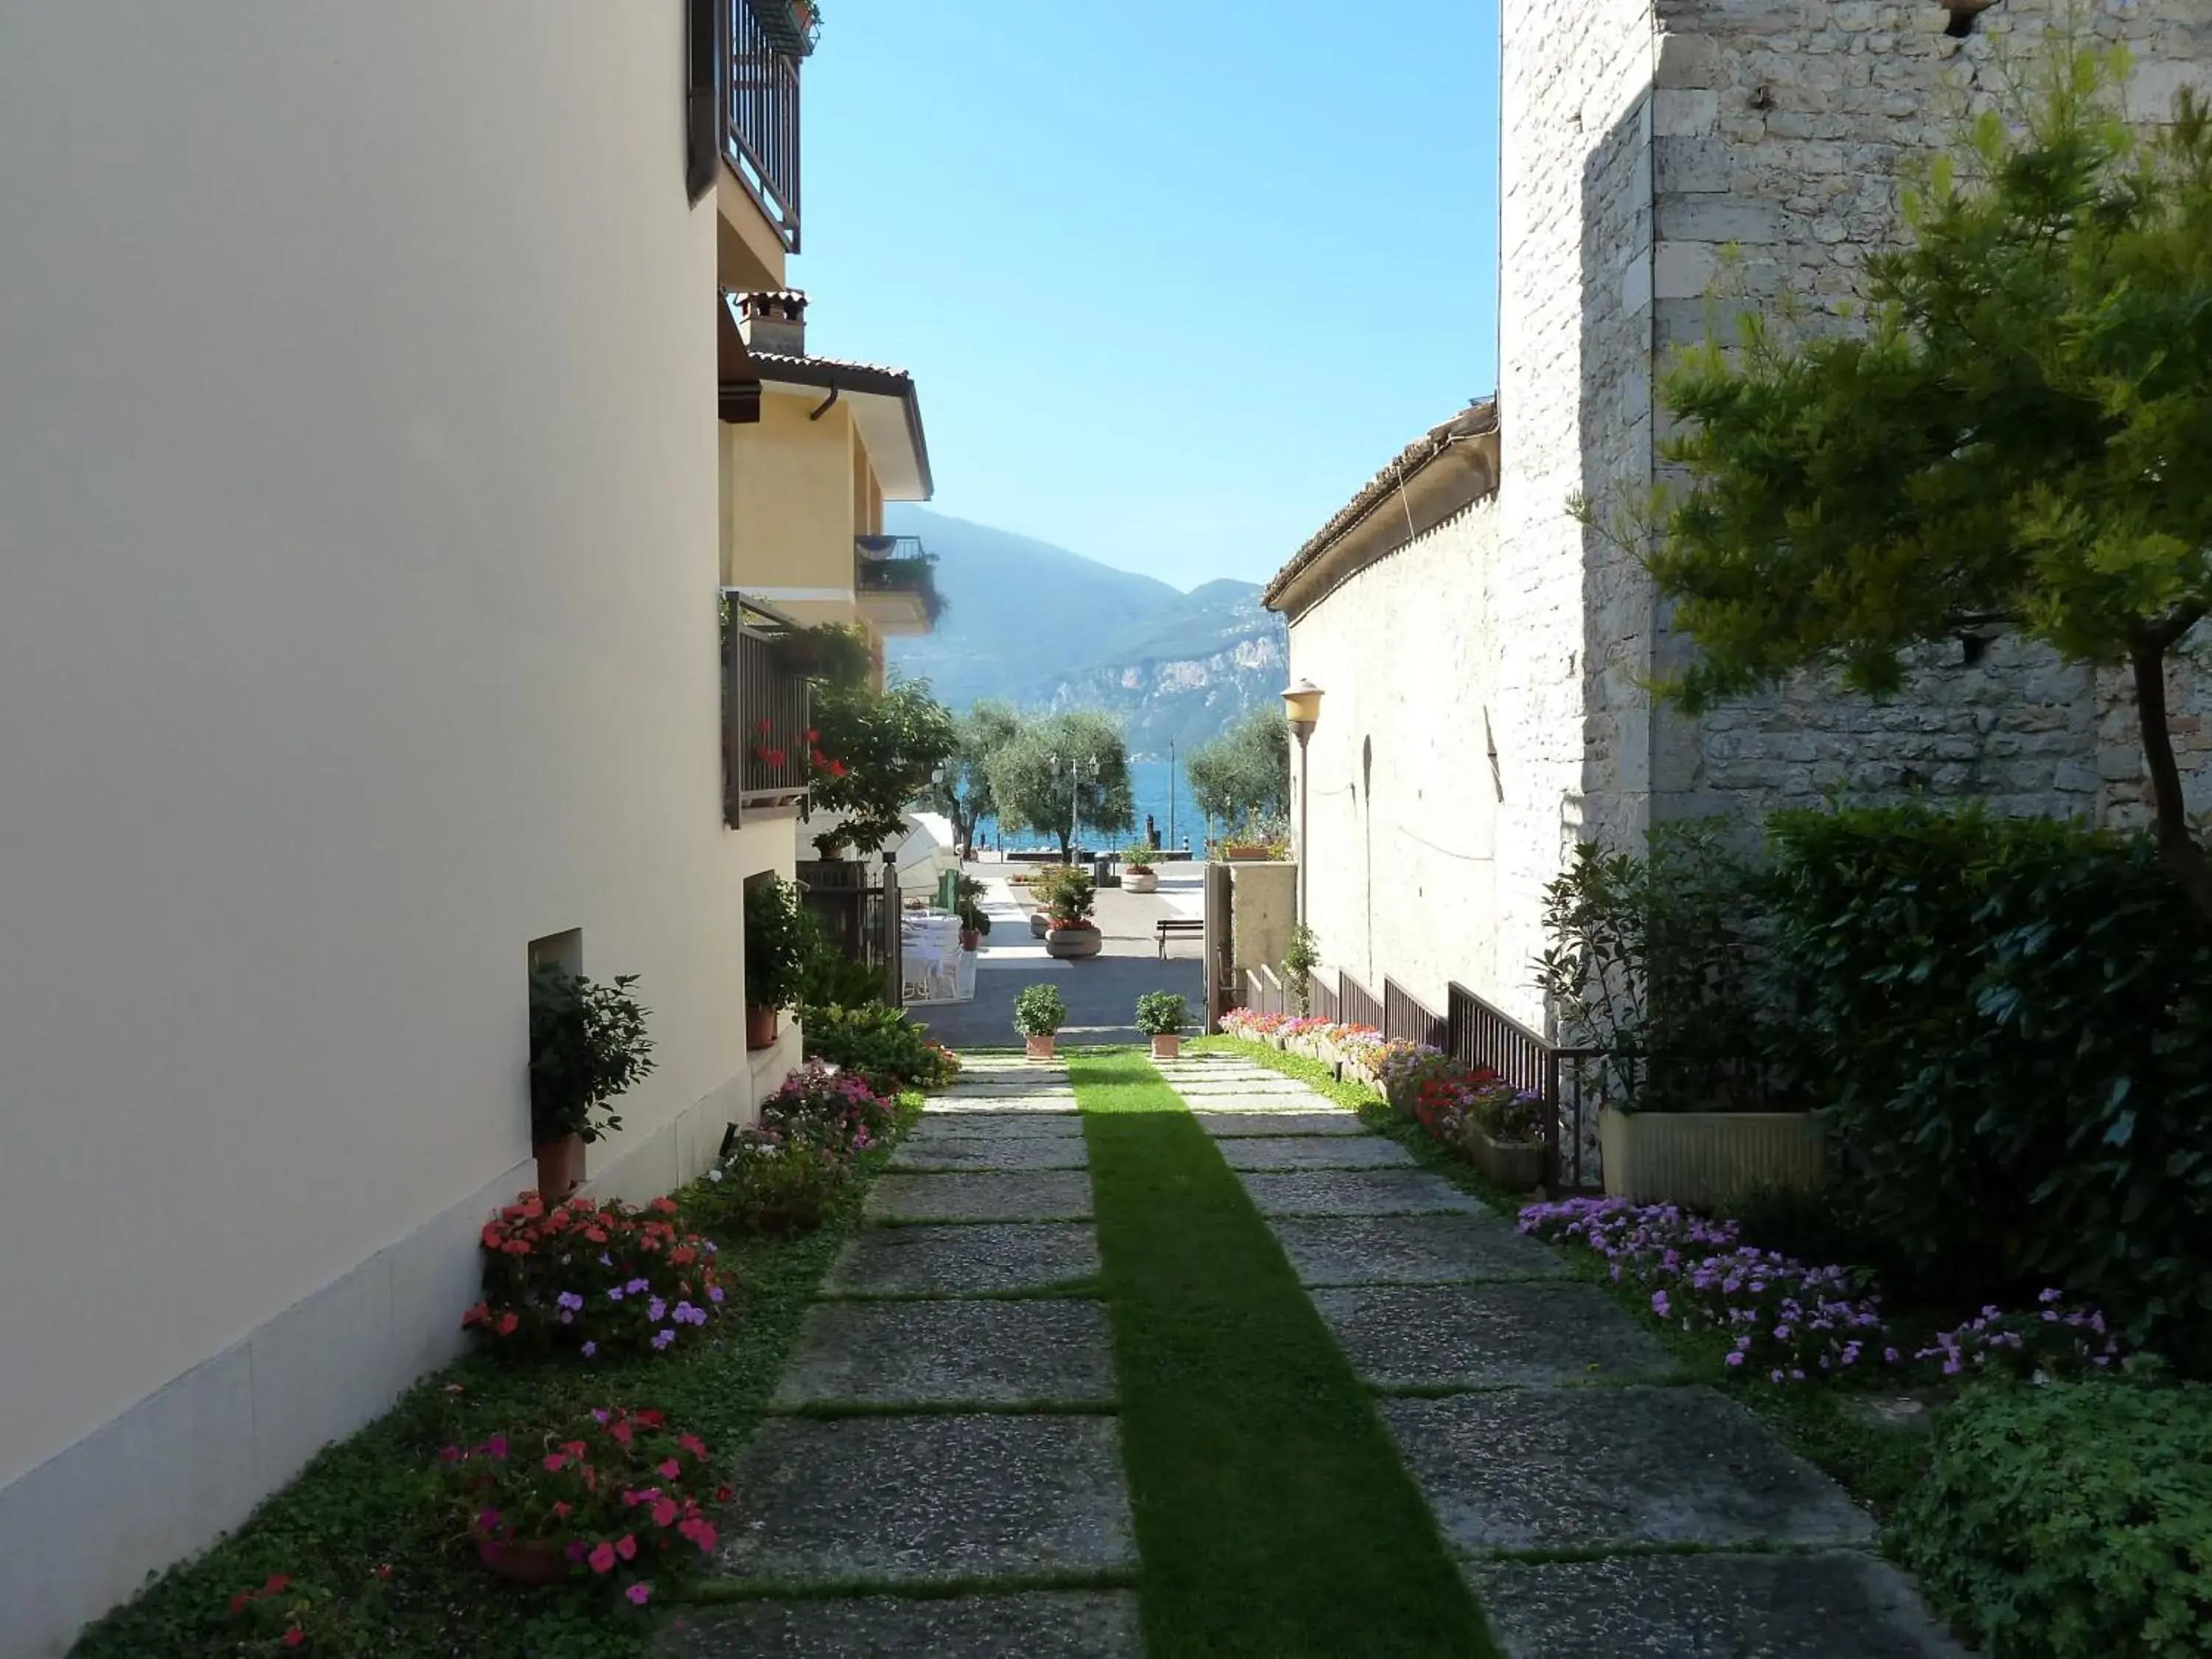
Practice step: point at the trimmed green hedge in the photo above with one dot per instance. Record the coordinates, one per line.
(2070, 1521)
(2007, 1025)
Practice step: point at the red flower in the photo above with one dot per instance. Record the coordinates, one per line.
(813, 736)
(238, 1601)
(276, 1585)
(293, 1637)
(692, 1443)
(507, 1324)
(653, 1419)
(761, 726)
(836, 768)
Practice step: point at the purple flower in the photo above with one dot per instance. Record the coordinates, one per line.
(638, 1286)
(713, 1293)
(656, 1311)
(662, 1339)
(591, 1349)
(615, 1294)
(569, 1300)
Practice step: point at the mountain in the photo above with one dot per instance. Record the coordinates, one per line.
(1046, 630)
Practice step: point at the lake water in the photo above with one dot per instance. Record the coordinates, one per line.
(1158, 787)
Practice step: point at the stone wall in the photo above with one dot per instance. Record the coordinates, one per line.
(1781, 128)
(1572, 735)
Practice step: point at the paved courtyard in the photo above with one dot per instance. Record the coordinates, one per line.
(944, 1471)
(1101, 991)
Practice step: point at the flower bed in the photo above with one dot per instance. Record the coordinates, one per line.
(1792, 1322)
(611, 1493)
(593, 1276)
(841, 1108)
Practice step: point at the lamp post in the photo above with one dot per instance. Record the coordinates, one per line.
(1302, 706)
(1074, 795)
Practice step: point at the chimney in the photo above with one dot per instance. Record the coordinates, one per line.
(774, 322)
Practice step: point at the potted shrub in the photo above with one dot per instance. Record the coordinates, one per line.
(974, 925)
(588, 1044)
(1044, 888)
(1502, 1135)
(1161, 1016)
(1039, 1013)
(1140, 878)
(777, 939)
(1069, 933)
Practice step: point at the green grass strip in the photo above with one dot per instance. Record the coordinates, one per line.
(1273, 1515)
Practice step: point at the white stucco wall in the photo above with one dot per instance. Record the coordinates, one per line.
(1404, 812)
(358, 557)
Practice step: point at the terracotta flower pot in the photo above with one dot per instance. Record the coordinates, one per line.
(971, 938)
(531, 1561)
(560, 1166)
(1167, 1045)
(1039, 1048)
(760, 1027)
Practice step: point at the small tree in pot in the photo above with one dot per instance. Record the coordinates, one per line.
(1069, 933)
(588, 1044)
(1162, 1016)
(777, 939)
(1038, 1014)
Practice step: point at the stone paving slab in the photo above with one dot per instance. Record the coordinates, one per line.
(992, 1152)
(965, 1260)
(1293, 1121)
(1316, 1152)
(978, 1124)
(1412, 1250)
(1038, 1195)
(1355, 1191)
(965, 1105)
(1484, 1335)
(935, 1497)
(1030, 1624)
(1247, 1087)
(1834, 1605)
(1552, 1469)
(951, 1354)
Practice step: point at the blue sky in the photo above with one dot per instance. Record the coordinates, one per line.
(1175, 279)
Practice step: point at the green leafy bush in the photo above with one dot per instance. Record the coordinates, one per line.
(775, 1182)
(2008, 1025)
(1038, 1010)
(828, 978)
(2070, 1521)
(588, 1044)
(880, 1043)
(777, 931)
(1162, 1014)
(1652, 958)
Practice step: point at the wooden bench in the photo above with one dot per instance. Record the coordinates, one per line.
(1170, 927)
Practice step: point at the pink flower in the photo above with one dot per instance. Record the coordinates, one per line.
(555, 1462)
(639, 1594)
(626, 1548)
(664, 1511)
(670, 1467)
(603, 1558)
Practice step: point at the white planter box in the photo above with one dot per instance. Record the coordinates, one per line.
(1702, 1159)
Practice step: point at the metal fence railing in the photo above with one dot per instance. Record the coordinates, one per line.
(766, 711)
(1356, 1004)
(1405, 1016)
(1573, 1084)
(1322, 995)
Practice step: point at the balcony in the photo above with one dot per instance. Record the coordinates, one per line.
(760, 94)
(895, 581)
(767, 710)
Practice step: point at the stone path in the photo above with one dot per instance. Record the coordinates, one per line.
(947, 1418)
(1538, 1418)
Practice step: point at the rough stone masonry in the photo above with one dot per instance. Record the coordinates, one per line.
(1663, 163)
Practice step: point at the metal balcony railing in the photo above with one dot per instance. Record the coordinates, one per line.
(897, 564)
(763, 105)
(766, 711)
